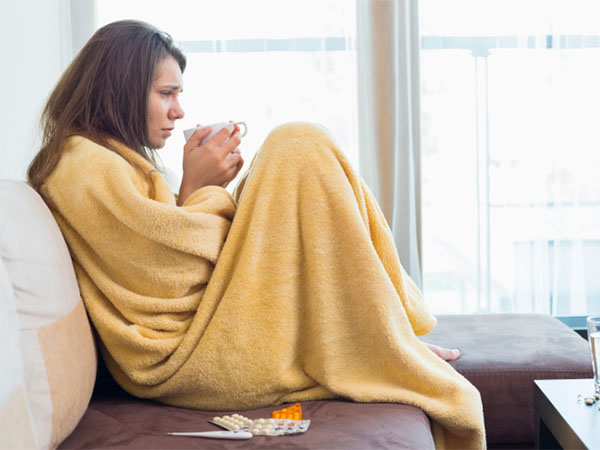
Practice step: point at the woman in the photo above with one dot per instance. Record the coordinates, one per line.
(289, 290)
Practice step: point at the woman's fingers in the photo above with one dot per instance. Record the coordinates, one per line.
(236, 161)
(224, 140)
(238, 168)
(197, 137)
(233, 159)
(232, 144)
(236, 127)
(219, 138)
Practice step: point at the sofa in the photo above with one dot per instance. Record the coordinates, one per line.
(56, 392)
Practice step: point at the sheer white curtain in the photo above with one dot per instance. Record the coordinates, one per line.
(389, 135)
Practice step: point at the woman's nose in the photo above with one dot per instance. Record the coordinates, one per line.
(177, 112)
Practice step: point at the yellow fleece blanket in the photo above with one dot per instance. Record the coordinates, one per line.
(288, 291)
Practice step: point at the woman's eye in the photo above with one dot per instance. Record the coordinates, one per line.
(167, 93)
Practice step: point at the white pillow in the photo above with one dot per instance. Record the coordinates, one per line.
(57, 348)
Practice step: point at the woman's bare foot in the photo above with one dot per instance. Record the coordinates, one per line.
(447, 354)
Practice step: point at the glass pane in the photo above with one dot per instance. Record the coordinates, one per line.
(227, 79)
(529, 228)
(449, 177)
(544, 188)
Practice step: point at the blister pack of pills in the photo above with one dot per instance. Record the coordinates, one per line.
(267, 427)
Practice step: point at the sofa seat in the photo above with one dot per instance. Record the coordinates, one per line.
(501, 354)
(114, 419)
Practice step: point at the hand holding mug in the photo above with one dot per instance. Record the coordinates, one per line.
(210, 157)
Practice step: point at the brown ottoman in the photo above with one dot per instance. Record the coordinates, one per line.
(502, 354)
(115, 419)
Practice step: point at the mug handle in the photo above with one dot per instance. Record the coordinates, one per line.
(245, 127)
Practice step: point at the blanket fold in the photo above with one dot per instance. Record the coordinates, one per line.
(288, 291)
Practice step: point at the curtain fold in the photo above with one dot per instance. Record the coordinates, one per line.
(388, 113)
(78, 20)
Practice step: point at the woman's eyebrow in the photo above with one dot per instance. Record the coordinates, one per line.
(173, 87)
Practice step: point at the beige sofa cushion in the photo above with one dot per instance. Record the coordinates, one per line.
(57, 350)
(16, 428)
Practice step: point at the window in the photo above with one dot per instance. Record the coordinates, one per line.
(510, 144)
(511, 155)
(264, 62)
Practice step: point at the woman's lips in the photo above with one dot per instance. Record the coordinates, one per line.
(167, 131)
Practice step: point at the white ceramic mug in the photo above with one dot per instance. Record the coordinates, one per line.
(216, 127)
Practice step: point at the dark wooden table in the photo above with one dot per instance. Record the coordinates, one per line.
(562, 422)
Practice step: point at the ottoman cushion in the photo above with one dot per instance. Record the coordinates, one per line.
(501, 354)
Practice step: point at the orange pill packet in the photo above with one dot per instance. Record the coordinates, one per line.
(292, 412)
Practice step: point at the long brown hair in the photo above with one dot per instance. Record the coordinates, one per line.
(104, 93)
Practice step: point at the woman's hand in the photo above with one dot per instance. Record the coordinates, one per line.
(446, 354)
(215, 162)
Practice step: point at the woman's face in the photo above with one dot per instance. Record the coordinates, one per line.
(163, 102)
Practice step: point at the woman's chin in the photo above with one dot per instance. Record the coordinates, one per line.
(158, 144)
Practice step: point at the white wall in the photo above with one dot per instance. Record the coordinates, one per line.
(30, 65)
